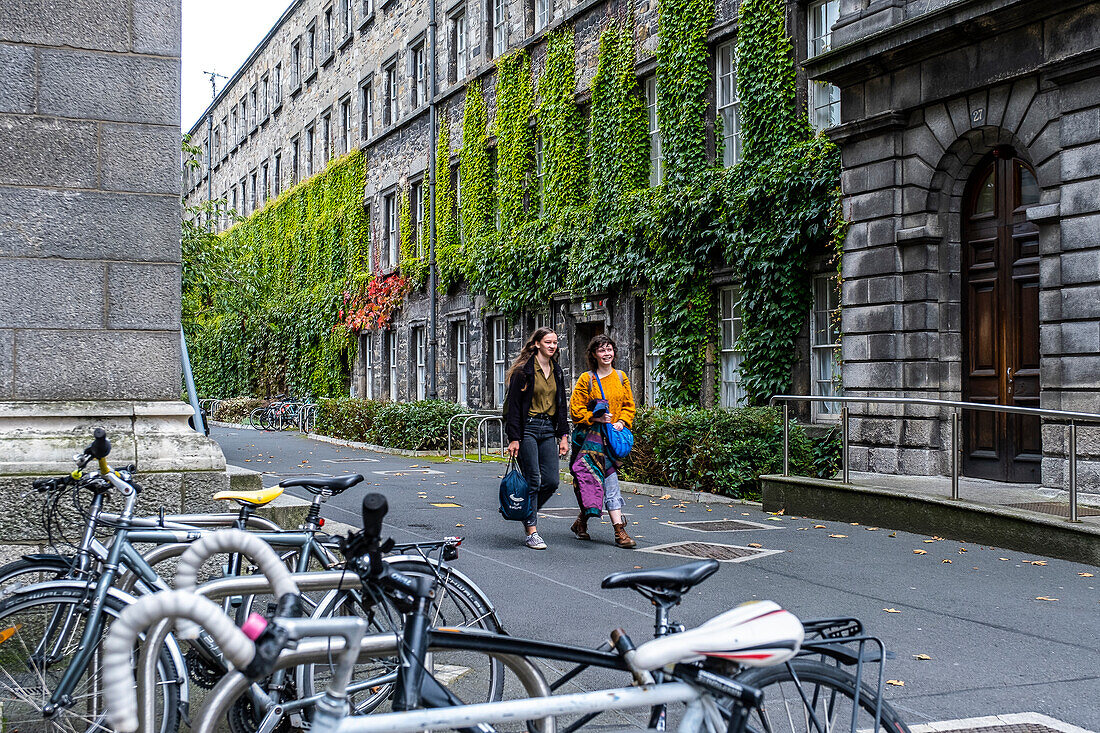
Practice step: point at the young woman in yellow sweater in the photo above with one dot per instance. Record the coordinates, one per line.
(591, 465)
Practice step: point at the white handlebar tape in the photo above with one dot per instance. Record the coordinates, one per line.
(120, 692)
(229, 540)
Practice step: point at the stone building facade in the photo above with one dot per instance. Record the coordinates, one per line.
(366, 90)
(971, 145)
(90, 253)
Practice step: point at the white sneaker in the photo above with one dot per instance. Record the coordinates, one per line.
(535, 542)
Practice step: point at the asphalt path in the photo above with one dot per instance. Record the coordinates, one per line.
(976, 630)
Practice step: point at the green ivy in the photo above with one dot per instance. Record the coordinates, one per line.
(515, 99)
(260, 300)
(559, 122)
(475, 175)
(446, 234)
(413, 265)
(683, 75)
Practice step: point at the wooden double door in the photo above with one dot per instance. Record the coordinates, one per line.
(1001, 320)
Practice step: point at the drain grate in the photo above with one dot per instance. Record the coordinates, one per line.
(1009, 723)
(722, 525)
(1057, 509)
(711, 550)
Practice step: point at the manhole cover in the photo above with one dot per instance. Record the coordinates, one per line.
(1010, 723)
(711, 550)
(560, 513)
(722, 525)
(1058, 510)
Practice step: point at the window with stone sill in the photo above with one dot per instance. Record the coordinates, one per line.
(368, 9)
(368, 364)
(651, 359)
(823, 98)
(296, 64)
(346, 21)
(266, 189)
(728, 104)
(498, 353)
(390, 346)
(253, 203)
(656, 156)
(825, 345)
(389, 109)
(265, 94)
(295, 161)
(277, 175)
(311, 149)
(462, 362)
(539, 10)
(328, 34)
(326, 140)
(497, 17)
(732, 393)
(389, 253)
(311, 48)
(418, 72)
(366, 101)
(416, 216)
(420, 355)
(345, 125)
(459, 47)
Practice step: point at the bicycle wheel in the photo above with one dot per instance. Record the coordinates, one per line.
(40, 633)
(807, 695)
(472, 676)
(255, 418)
(27, 571)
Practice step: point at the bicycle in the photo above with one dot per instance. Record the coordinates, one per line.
(93, 570)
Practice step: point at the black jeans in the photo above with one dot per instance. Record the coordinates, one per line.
(538, 460)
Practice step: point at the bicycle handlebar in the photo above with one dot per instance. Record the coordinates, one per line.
(230, 540)
(120, 690)
(100, 447)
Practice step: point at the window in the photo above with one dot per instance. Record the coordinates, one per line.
(539, 171)
(542, 14)
(459, 51)
(311, 48)
(235, 128)
(456, 179)
(327, 35)
(345, 124)
(498, 352)
(235, 202)
(416, 206)
(368, 217)
(391, 361)
(462, 366)
(217, 143)
(825, 344)
(278, 174)
(824, 98)
(498, 26)
(255, 97)
(652, 361)
(266, 190)
(265, 91)
(311, 140)
(418, 73)
(389, 224)
(244, 118)
(368, 9)
(366, 101)
(252, 192)
(729, 327)
(326, 139)
(345, 18)
(296, 64)
(295, 161)
(224, 147)
(277, 86)
(389, 111)
(729, 109)
(656, 156)
(368, 364)
(420, 353)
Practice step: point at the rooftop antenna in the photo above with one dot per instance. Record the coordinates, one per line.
(214, 76)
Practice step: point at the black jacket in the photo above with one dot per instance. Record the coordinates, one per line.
(517, 403)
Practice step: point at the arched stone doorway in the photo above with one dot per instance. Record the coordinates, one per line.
(1000, 306)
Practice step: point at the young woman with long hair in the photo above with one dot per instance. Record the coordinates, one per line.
(602, 395)
(536, 421)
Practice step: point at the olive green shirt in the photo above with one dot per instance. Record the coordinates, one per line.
(544, 399)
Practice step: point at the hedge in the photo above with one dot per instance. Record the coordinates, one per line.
(236, 409)
(722, 451)
(410, 425)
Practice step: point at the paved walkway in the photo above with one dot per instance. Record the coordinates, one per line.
(1007, 633)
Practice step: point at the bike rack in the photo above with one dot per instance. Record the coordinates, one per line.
(449, 423)
(484, 425)
(306, 411)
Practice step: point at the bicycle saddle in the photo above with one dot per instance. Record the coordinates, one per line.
(259, 497)
(317, 484)
(678, 578)
(755, 634)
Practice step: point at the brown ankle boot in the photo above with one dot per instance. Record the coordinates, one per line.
(580, 528)
(622, 539)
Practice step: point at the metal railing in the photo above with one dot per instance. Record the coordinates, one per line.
(481, 427)
(956, 419)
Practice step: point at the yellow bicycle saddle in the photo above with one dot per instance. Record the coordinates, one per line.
(252, 498)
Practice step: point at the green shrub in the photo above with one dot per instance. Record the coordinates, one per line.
(720, 451)
(236, 409)
(418, 425)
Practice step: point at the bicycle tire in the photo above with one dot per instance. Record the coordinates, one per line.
(255, 418)
(831, 693)
(27, 571)
(472, 676)
(25, 683)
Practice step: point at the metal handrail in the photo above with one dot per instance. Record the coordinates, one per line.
(956, 408)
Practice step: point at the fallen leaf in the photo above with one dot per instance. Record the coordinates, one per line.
(755, 544)
(962, 550)
(1085, 575)
(1045, 598)
(637, 567)
(775, 519)
(460, 525)
(744, 514)
(920, 552)
(946, 561)
(819, 526)
(801, 527)
(895, 683)
(891, 610)
(927, 541)
(871, 529)
(922, 657)
(893, 534)
(1037, 562)
(666, 496)
(448, 497)
(447, 505)
(1003, 558)
(854, 524)
(641, 506)
(838, 536)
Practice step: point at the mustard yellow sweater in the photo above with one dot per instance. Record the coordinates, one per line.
(620, 398)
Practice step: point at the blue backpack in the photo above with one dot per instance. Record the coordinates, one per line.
(515, 498)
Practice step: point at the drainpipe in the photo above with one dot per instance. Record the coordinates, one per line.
(433, 341)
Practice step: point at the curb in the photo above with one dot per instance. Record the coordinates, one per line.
(699, 497)
(378, 448)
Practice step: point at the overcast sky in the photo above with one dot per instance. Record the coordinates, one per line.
(218, 35)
